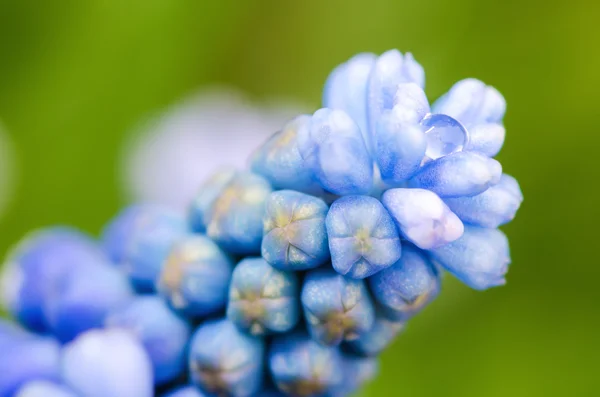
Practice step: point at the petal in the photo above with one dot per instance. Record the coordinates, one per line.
(346, 89)
(337, 308)
(334, 149)
(458, 174)
(362, 236)
(295, 222)
(107, 363)
(492, 208)
(405, 288)
(400, 147)
(390, 70)
(279, 160)
(225, 361)
(480, 258)
(422, 217)
(471, 102)
(301, 366)
(486, 138)
(163, 334)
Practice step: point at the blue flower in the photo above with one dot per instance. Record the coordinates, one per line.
(357, 372)
(140, 238)
(347, 88)
(234, 219)
(383, 332)
(295, 237)
(40, 388)
(302, 367)
(83, 297)
(336, 308)
(225, 361)
(333, 148)
(164, 335)
(37, 265)
(195, 277)
(207, 195)
(480, 258)
(458, 174)
(362, 236)
(405, 288)
(26, 357)
(263, 299)
(390, 70)
(107, 363)
(280, 162)
(494, 207)
(422, 217)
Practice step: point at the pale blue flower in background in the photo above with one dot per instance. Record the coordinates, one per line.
(170, 157)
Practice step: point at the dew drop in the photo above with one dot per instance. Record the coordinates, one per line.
(445, 135)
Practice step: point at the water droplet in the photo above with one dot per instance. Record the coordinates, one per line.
(445, 135)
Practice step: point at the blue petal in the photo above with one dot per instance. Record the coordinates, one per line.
(40, 388)
(480, 258)
(492, 208)
(471, 102)
(263, 299)
(107, 363)
(195, 277)
(26, 357)
(226, 361)
(410, 103)
(163, 334)
(346, 89)
(486, 138)
(207, 194)
(235, 219)
(390, 70)
(405, 288)
(83, 297)
(400, 147)
(422, 217)
(358, 371)
(280, 162)
(301, 366)
(336, 308)
(380, 336)
(143, 237)
(37, 265)
(458, 174)
(362, 236)
(333, 148)
(294, 231)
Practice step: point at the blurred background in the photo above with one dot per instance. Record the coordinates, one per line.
(77, 77)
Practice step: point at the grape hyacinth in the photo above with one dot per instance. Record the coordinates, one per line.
(288, 278)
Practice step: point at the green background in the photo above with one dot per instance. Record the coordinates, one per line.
(76, 75)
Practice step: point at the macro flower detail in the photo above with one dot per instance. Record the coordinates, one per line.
(195, 277)
(403, 289)
(337, 308)
(422, 217)
(263, 299)
(225, 361)
(235, 218)
(302, 367)
(288, 278)
(362, 237)
(295, 237)
(163, 334)
(140, 238)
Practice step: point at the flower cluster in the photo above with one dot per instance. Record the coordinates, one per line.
(286, 279)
